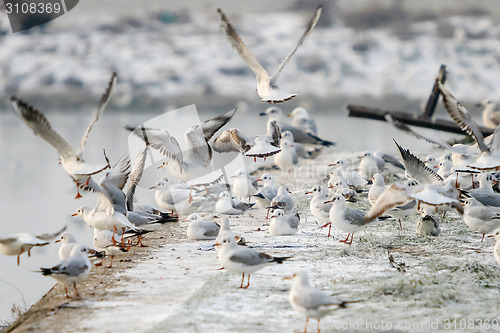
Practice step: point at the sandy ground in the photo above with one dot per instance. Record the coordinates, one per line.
(451, 281)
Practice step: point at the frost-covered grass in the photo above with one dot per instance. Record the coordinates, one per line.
(449, 279)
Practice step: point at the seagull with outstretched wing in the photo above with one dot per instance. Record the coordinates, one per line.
(267, 87)
(71, 160)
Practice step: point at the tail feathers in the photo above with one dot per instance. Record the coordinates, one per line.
(46, 271)
(166, 220)
(139, 232)
(259, 195)
(279, 260)
(386, 217)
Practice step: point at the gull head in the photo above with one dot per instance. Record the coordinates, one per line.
(496, 235)
(226, 241)
(278, 213)
(240, 174)
(299, 113)
(66, 237)
(299, 278)
(224, 195)
(81, 211)
(287, 135)
(284, 145)
(273, 113)
(193, 217)
(316, 189)
(266, 178)
(80, 249)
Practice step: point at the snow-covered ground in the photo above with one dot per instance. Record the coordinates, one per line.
(450, 281)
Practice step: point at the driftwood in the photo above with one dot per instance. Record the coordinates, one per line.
(425, 119)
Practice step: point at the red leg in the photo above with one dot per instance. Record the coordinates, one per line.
(76, 290)
(305, 327)
(482, 239)
(66, 290)
(346, 239)
(400, 225)
(111, 262)
(113, 237)
(18, 260)
(329, 225)
(190, 196)
(319, 327)
(242, 279)
(123, 233)
(248, 282)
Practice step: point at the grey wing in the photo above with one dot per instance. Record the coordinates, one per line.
(294, 221)
(114, 195)
(461, 116)
(487, 199)
(417, 169)
(119, 173)
(213, 231)
(7, 241)
(274, 132)
(211, 126)
(356, 217)
(495, 140)
(240, 47)
(310, 26)
(403, 127)
(49, 237)
(162, 141)
(250, 257)
(197, 148)
(135, 176)
(102, 105)
(302, 136)
(70, 267)
(35, 120)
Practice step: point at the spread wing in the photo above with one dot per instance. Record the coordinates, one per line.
(120, 172)
(97, 113)
(136, 175)
(416, 169)
(240, 47)
(231, 140)
(41, 127)
(405, 128)
(310, 26)
(162, 141)
(49, 237)
(211, 126)
(462, 117)
(394, 196)
(197, 148)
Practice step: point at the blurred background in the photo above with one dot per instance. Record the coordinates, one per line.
(170, 54)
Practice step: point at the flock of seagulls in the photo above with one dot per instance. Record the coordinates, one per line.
(431, 186)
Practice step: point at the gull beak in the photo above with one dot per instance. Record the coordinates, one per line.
(152, 188)
(262, 114)
(217, 244)
(309, 192)
(478, 105)
(273, 216)
(232, 177)
(291, 146)
(494, 181)
(287, 278)
(75, 214)
(333, 164)
(185, 220)
(259, 180)
(289, 115)
(160, 166)
(58, 241)
(328, 201)
(360, 156)
(436, 167)
(490, 236)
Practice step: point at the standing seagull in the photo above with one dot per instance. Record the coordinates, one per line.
(243, 260)
(480, 218)
(267, 87)
(309, 301)
(71, 161)
(24, 242)
(71, 270)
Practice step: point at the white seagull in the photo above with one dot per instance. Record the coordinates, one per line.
(200, 229)
(244, 186)
(302, 120)
(480, 218)
(71, 161)
(496, 249)
(267, 192)
(71, 270)
(68, 241)
(282, 224)
(226, 205)
(243, 260)
(17, 244)
(267, 87)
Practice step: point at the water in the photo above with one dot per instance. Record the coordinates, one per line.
(37, 195)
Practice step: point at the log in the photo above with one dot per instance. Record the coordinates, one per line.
(419, 120)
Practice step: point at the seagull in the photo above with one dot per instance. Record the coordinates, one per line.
(444, 169)
(491, 115)
(103, 242)
(229, 206)
(431, 162)
(261, 146)
(282, 224)
(309, 301)
(299, 135)
(302, 120)
(485, 194)
(177, 197)
(17, 244)
(267, 192)
(200, 229)
(195, 161)
(71, 161)
(496, 249)
(110, 212)
(243, 260)
(71, 270)
(352, 177)
(318, 207)
(427, 225)
(282, 200)
(370, 165)
(300, 149)
(377, 188)
(287, 157)
(244, 186)
(480, 218)
(267, 87)
(68, 241)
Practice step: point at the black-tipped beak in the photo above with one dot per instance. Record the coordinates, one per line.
(262, 114)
